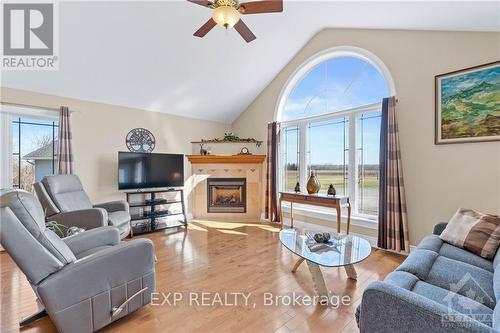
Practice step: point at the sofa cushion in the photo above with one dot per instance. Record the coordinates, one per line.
(457, 302)
(419, 263)
(402, 279)
(496, 318)
(434, 243)
(496, 260)
(464, 279)
(474, 231)
(456, 253)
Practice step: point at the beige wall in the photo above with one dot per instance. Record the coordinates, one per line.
(99, 132)
(439, 179)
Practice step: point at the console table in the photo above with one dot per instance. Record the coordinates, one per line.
(330, 201)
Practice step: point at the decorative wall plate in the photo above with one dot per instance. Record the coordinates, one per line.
(140, 140)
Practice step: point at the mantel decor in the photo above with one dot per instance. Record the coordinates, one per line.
(229, 138)
(467, 105)
(214, 159)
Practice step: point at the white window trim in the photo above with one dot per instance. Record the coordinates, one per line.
(352, 114)
(328, 54)
(287, 89)
(7, 113)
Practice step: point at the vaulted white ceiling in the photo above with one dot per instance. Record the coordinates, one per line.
(143, 55)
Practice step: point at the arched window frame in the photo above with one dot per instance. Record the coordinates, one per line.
(351, 114)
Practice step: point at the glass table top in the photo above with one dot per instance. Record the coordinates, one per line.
(343, 249)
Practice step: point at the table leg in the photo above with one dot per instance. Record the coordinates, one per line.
(297, 264)
(291, 214)
(319, 282)
(280, 213)
(348, 216)
(339, 216)
(351, 272)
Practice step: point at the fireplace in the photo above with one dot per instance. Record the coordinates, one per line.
(227, 195)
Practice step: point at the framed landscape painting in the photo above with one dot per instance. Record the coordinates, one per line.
(468, 105)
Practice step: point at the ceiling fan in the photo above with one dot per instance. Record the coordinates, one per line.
(227, 14)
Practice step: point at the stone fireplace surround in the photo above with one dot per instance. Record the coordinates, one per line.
(249, 167)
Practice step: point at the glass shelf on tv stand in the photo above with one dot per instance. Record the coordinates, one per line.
(155, 220)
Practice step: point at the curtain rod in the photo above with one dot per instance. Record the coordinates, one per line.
(31, 106)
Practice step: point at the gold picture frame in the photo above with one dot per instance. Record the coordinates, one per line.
(467, 105)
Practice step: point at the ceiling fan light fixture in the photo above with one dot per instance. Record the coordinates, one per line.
(226, 16)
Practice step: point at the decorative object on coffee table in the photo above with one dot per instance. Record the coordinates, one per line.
(140, 140)
(467, 105)
(313, 184)
(331, 190)
(322, 237)
(297, 188)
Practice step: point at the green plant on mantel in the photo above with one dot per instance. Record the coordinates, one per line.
(230, 137)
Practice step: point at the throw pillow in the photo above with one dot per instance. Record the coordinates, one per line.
(473, 231)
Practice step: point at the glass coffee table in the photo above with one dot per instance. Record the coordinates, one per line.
(343, 251)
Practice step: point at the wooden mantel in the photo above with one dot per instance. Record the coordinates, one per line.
(234, 159)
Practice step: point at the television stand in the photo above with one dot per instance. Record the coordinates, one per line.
(155, 213)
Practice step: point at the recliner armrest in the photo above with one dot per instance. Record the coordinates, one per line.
(86, 218)
(93, 238)
(95, 274)
(114, 206)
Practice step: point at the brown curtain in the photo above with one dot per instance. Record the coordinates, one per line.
(392, 215)
(272, 171)
(65, 151)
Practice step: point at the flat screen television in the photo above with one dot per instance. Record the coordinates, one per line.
(149, 170)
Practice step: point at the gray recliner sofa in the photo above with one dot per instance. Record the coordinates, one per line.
(84, 281)
(65, 201)
(438, 288)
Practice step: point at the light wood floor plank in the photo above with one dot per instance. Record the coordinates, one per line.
(220, 257)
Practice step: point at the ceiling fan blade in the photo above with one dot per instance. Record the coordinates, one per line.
(259, 7)
(204, 3)
(205, 28)
(243, 30)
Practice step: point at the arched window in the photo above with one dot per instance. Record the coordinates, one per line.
(330, 124)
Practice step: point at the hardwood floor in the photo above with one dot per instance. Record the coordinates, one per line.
(217, 257)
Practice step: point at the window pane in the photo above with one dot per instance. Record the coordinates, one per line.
(328, 153)
(290, 149)
(34, 150)
(368, 162)
(334, 85)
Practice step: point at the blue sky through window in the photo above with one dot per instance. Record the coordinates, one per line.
(33, 132)
(334, 85)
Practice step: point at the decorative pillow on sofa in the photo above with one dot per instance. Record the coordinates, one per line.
(473, 231)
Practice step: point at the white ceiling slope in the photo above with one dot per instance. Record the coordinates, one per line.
(143, 55)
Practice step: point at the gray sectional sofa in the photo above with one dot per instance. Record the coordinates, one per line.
(438, 288)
